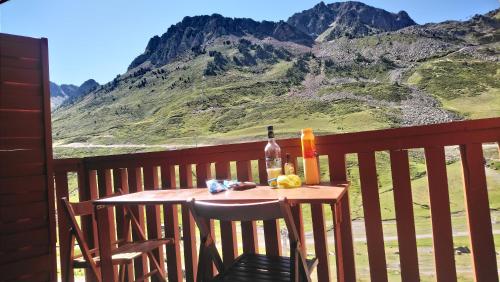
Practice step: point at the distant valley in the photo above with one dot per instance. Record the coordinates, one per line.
(336, 67)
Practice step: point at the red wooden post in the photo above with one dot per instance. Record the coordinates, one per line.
(227, 229)
(104, 182)
(440, 213)
(151, 182)
(478, 213)
(61, 179)
(248, 229)
(373, 218)
(188, 227)
(403, 204)
(320, 242)
(171, 221)
(135, 185)
(107, 271)
(105, 188)
(119, 177)
(344, 247)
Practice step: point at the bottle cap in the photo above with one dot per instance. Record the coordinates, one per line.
(270, 131)
(307, 130)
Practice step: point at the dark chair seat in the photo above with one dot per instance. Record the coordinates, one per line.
(255, 267)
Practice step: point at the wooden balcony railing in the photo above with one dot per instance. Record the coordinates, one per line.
(100, 176)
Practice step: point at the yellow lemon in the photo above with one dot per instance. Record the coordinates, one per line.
(289, 181)
(295, 180)
(284, 182)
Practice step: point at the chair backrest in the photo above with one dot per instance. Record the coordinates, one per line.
(82, 208)
(238, 212)
(72, 210)
(242, 212)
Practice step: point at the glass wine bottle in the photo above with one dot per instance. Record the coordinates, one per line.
(273, 158)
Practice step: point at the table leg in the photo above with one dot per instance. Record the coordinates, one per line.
(107, 271)
(344, 248)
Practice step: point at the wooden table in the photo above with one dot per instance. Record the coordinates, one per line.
(318, 194)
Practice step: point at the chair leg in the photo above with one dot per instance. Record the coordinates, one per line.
(121, 275)
(160, 273)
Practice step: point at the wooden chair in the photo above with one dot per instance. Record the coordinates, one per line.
(124, 252)
(251, 267)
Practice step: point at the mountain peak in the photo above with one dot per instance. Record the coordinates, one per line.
(63, 93)
(87, 87)
(320, 6)
(351, 18)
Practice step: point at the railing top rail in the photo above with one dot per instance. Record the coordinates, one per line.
(413, 131)
(444, 134)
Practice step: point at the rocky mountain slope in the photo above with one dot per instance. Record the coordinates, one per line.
(214, 79)
(66, 93)
(195, 33)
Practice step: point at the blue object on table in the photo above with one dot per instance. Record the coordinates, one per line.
(216, 186)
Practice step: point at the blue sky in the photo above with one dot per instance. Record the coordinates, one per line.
(98, 39)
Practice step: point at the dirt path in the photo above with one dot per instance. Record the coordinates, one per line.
(89, 145)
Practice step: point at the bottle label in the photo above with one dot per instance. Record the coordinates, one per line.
(308, 148)
(273, 162)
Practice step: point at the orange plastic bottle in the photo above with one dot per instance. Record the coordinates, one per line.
(309, 155)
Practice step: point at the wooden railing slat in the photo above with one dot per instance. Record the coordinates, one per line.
(106, 263)
(94, 194)
(249, 228)
(344, 246)
(227, 229)
(171, 221)
(119, 177)
(478, 213)
(440, 214)
(135, 185)
(188, 227)
(403, 204)
(105, 189)
(373, 217)
(262, 172)
(153, 219)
